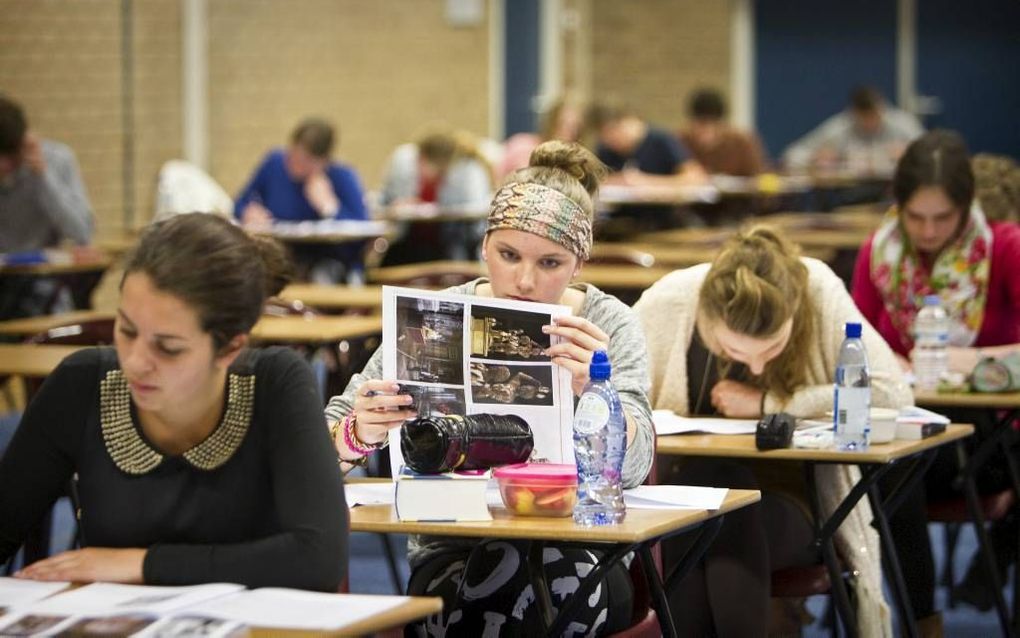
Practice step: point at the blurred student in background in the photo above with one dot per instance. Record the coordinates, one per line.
(42, 203)
(867, 137)
(301, 183)
(715, 145)
(446, 168)
(561, 121)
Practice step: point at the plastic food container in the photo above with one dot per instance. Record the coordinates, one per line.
(538, 489)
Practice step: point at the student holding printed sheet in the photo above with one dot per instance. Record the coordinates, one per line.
(538, 237)
(758, 331)
(196, 459)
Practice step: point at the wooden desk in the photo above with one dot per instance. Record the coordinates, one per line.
(332, 298)
(292, 329)
(614, 195)
(431, 213)
(742, 446)
(28, 326)
(327, 231)
(34, 361)
(639, 531)
(416, 608)
(95, 264)
(639, 526)
(699, 238)
(874, 462)
(672, 256)
(989, 400)
(315, 330)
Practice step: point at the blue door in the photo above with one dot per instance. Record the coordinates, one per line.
(521, 81)
(968, 57)
(810, 54)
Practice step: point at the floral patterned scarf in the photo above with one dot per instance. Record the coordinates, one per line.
(959, 276)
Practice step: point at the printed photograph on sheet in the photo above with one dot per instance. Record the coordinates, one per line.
(463, 354)
(497, 382)
(430, 341)
(188, 626)
(510, 335)
(433, 400)
(123, 625)
(30, 624)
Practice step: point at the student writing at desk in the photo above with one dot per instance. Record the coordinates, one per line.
(641, 155)
(445, 168)
(42, 201)
(302, 183)
(868, 137)
(197, 460)
(538, 237)
(716, 146)
(936, 240)
(758, 331)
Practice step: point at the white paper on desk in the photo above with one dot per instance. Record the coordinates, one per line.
(671, 497)
(17, 592)
(666, 422)
(294, 609)
(100, 599)
(914, 414)
(369, 493)
(464, 354)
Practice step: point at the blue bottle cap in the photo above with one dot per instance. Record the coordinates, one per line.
(600, 367)
(853, 330)
(932, 300)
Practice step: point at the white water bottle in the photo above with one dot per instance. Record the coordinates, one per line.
(930, 356)
(852, 393)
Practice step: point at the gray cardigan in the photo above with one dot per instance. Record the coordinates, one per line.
(629, 357)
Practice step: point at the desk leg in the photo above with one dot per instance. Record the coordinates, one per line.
(984, 542)
(892, 564)
(709, 530)
(824, 543)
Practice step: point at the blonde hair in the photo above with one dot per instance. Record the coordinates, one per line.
(566, 167)
(755, 285)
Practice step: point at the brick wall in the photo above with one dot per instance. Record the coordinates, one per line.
(652, 53)
(378, 70)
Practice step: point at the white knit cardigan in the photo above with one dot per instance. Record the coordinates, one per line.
(667, 312)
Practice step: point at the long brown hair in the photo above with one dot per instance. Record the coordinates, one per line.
(754, 286)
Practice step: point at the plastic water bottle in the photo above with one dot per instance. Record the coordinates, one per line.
(852, 401)
(930, 355)
(600, 442)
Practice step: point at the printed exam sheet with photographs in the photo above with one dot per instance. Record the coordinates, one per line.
(463, 354)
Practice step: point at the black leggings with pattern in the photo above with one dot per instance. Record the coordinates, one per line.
(486, 592)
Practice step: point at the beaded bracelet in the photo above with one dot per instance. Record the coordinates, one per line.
(351, 439)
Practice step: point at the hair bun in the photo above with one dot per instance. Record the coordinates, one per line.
(276, 263)
(573, 159)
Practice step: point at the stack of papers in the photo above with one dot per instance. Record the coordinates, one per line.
(667, 422)
(673, 497)
(209, 610)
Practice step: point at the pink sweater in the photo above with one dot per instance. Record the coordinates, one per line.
(1001, 325)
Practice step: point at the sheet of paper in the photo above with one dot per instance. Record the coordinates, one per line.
(914, 414)
(111, 598)
(293, 609)
(369, 493)
(666, 422)
(15, 592)
(464, 354)
(667, 497)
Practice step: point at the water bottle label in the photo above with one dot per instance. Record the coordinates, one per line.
(592, 414)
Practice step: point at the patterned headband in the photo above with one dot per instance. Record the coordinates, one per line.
(542, 211)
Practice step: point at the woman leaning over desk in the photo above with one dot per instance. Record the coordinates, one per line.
(758, 331)
(937, 241)
(196, 459)
(538, 237)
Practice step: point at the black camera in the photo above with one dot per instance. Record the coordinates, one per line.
(775, 431)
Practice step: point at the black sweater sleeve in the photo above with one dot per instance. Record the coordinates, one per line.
(310, 550)
(41, 458)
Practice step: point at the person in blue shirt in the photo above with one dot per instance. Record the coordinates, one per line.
(301, 183)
